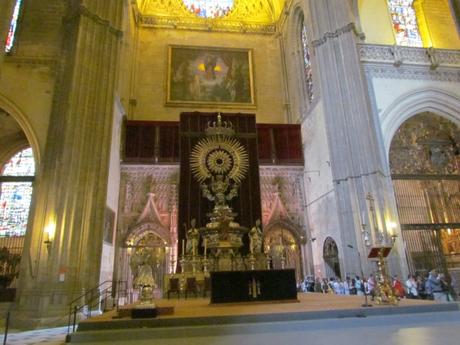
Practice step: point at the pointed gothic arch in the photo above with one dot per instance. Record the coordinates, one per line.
(412, 103)
(17, 114)
(282, 237)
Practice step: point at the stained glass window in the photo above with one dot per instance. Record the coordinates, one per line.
(12, 30)
(15, 196)
(307, 64)
(209, 8)
(405, 23)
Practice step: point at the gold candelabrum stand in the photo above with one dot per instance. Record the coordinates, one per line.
(383, 290)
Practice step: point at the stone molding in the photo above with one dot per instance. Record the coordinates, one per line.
(396, 62)
(417, 101)
(184, 24)
(328, 35)
(50, 63)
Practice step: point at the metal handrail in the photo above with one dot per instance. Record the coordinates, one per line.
(95, 299)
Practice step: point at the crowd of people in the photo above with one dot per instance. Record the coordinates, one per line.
(434, 286)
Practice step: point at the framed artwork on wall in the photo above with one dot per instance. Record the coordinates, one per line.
(207, 77)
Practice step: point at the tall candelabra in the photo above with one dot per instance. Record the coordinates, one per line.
(380, 249)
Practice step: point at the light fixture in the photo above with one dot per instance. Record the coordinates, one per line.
(392, 227)
(49, 235)
(394, 237)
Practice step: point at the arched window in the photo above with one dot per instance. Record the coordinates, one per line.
(16, 178)
(306, 62)
(209, 8)
(405, 23)
(13, 25)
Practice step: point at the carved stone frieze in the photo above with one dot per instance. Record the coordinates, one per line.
(397, 62)
(373, 53)
(412, 73)
(193, 24)
(138, 183)
(286, 184)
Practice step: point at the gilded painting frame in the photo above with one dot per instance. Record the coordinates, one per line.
(210, 77)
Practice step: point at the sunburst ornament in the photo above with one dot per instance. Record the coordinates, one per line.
(219, 155)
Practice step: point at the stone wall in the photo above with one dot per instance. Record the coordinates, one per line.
(149, 84)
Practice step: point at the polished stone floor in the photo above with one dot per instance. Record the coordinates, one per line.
(440, 328)
(50, 336)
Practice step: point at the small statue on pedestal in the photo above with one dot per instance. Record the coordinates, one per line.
(193, 238)
(143, 276)
(255, 238)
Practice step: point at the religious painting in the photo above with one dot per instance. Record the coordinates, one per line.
(199, 76)
(109, 224)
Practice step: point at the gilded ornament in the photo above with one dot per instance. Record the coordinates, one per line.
(218, 155)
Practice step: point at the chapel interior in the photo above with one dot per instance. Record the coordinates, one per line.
(340, 123)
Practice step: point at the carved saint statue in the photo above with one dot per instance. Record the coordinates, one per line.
(143, 274)
(255, 238)
(193, 238)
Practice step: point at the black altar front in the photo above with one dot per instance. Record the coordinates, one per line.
(248, 286)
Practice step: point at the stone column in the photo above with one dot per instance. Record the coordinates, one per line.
(358, 160)
(70, 197)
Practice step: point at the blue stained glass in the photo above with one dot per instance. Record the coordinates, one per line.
(15, 197)
(15, 200)
(209, 8)
(13, 25)
(405, 24)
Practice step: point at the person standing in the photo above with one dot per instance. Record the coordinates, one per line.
(371, 286)
(436, 287)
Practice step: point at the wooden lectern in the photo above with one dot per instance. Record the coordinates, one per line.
(376, 252)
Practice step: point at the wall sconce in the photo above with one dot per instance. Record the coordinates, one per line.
(393, 238)
(392, 226)
(49, 236)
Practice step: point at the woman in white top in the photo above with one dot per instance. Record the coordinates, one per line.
(411, 286)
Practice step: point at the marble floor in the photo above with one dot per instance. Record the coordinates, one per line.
(442, 328)
(50, 336)
(433, 328)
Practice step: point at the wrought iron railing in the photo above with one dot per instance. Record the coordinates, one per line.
(96, 298)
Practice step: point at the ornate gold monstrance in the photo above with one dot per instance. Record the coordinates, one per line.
(219, 163)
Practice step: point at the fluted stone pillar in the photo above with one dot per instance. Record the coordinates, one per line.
(358, 160)
(71, 187)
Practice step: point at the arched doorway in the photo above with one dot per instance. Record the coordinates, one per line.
(425, 165)
(331, 258)
(283, 248)
(145, 245)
